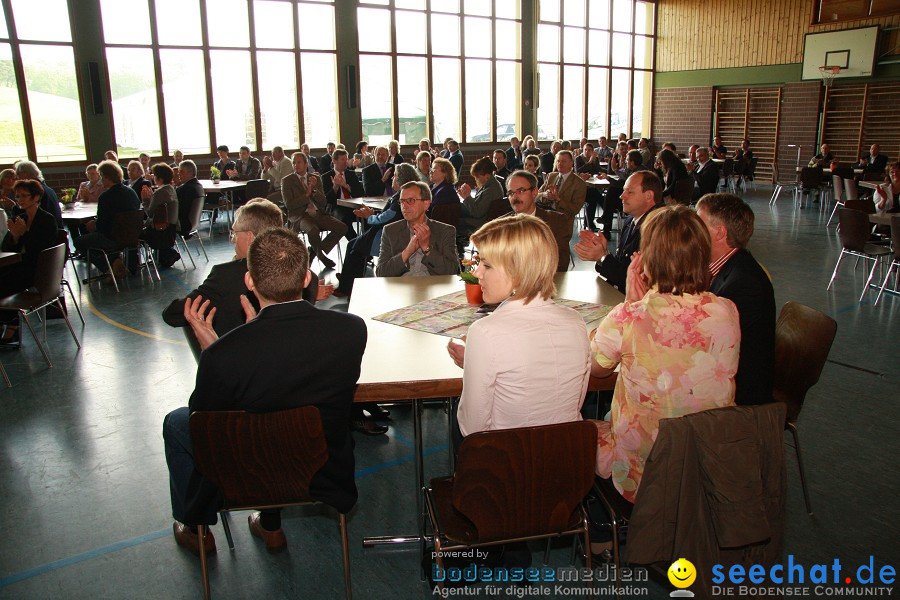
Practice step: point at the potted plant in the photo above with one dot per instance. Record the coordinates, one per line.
(473, 288)
(215, 174)
(68, 196)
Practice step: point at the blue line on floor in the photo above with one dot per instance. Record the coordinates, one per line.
(155, 535)
(178, 281)
(849, 307)
(91, 554)
(402, 438)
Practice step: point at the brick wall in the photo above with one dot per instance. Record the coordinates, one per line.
(800, 104)
(682, 116)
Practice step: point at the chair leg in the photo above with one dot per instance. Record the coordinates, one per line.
(547, 552)
(885, 282)
(833, 275)
(202, 247)
(74, 301)
(110, 271)
(223, 514)
(5, 376)
(345, 546)
(68, 323)
(837, 205)
(865, 289)
(24, 316)
(793, 429)
(204, 569)
(149, 257)
(187, 251)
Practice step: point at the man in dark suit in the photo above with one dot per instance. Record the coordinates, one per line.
(377, 176)
(136, 179)
(503, 168)
(341, 182)
(189, 190)
(225, 287)
(455, 157)
(705, 173)
(641, 194)
(263, 366)
(523, 192)
(514, 156)
(246, 167)
(25, 169)
(548, 159)
(325, 161)
(313, 161)
(737, 276)
(873, 161)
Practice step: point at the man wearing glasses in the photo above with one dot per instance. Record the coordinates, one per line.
(523, 191)
(417, 245)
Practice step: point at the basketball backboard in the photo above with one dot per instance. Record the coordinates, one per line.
(853, 50)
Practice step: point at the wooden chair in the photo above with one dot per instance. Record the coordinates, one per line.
(895, 264)
(803, 338)
(46, 291)
(261, 460)
(854, 233)
(512, 485)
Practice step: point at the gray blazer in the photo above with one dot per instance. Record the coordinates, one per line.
(441, 260)
(475, 210)
(297, 198)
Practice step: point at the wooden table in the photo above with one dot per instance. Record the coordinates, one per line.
(378, 203)
(409, 365)
(10, 258)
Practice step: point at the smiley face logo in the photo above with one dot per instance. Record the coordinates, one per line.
(682, 573)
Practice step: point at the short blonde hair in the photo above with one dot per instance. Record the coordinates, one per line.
(446, 168)
(525, 248)
(675, 250)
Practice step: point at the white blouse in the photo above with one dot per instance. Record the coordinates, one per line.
(525, 365)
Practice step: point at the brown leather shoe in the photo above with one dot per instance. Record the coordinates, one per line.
(190, 540)
(275, 540)
(119, 269)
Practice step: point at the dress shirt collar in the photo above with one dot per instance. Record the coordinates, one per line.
(716, 266)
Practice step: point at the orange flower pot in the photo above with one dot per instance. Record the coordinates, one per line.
(473, 293)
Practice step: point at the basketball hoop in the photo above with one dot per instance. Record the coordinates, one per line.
(828, 74)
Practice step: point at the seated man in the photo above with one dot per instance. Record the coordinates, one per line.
(737, 276)
(25, 169)
(117, 198)
(325, 160)
(275, 169)
(823, 159)
(246, 167)
(705, 173)
(188, 190)
(305, 204)
(587, 164)
(262, 366)
(873, 161)
(377, 176)
(563, 190)
(341, 182)
(225, 286)
(313, 161)
(455, 156)
(718, 149)
(500, 162)
(514, 155)
(548, 159)
(522, 192)
(369, 242)
(641, 194)
(417, 245)
(224, 164)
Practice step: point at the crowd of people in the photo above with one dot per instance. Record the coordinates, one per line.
(695, 331)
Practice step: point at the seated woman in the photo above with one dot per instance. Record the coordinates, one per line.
(443, 178)
(90, 190)
(886, 195)
(527, 363)
(161, 207)
(532, 164)
(423, 166)
(475, 209)
(394, 156)
(31, 232)
(673, 171)
(363, 158)
(677, 344)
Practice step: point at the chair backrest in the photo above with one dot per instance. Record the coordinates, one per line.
(256, 188)
(192, 215)
(62, 237)
(751, 168)
(520, 482)
(447, 213)
(850, 190)
(498, 208)
(866, 205)
(49, 272)
(259, 459)
(895, 236)
(683, 190)
(873, 176)
(855, 229)
(127, 227)
(803, 338)
(843, 172)
(728, 167)
(810, 177)
(838, 183)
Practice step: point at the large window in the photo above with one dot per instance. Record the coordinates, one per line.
(40, 112)
(595, 66)
(448, 68)
(198, 73)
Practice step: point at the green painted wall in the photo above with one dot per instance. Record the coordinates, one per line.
(770, 74)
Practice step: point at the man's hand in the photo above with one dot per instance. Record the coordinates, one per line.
(410, 249)
(690, 167)
(338, 181)
(552, 193)
(324, 291)
(635, 280)
(364, 212)
(231, 172)
(200, 322)
(591, 246)
(146, 194)
(249, 311)
(388, 175)
(423, 234)
(312, 182)
(457, 351)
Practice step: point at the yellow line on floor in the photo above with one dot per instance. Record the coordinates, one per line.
(114, 323)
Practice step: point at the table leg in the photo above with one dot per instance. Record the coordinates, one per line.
(420, 537)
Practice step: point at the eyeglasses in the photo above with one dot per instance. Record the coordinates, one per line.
(514, 193)
(410, 201)
(234, 233)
